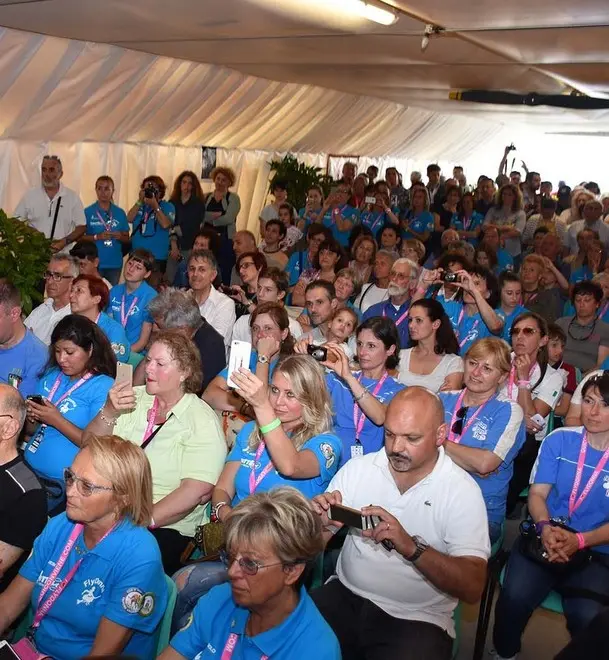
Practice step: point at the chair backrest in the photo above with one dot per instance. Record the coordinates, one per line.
(164, 630)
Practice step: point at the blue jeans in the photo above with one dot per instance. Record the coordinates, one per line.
(527, 584)
(494, 531)
(113, 275)
(193, 582)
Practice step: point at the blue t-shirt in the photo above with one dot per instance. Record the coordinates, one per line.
(25, 360)
(121, 579)
(371, 436)
(398, 315)
(556, 465)
(152, 236)
(116, 336)
(422, 223)
(139, 313)
(99, 221)
(348, 213)
(304, 634)
(499, 428)
(297, 264)
(508, 319)
(55, 451)
(467, 328)
(580, 274)
(307, 218)
(374, 220)
(504, 261)
(474, 223)
(327, 450)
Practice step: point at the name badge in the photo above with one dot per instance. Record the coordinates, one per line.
(36, 441)
(357, 450)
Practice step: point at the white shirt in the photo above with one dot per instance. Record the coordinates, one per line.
(243, 332)
(44, 318)
(449, 364)
(549, 391)
(370, 295)
(219, 311)
(38, 210)
(446, 509)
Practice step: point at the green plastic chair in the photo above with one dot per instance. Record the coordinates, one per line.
(135, 359)
(162, 631)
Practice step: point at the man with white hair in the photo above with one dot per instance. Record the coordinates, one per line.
(23, 502)
(402, 280)
(53, 209)
(59, 275)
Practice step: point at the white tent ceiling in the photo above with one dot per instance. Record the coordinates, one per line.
(548, 46)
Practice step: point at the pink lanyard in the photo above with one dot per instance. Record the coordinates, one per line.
(574, 503)
(151, 417)
(359, 420)
(452, 436)
(466, 223)
(106, 223)
(603, 311)
(124, 318)
(512, 378)
(379, 218)
(230, 646)
(65, 395)
(397, 323)
(457, 333)
(43, 610)
(255, 480)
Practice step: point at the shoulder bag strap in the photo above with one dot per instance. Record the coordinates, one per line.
(55, 217)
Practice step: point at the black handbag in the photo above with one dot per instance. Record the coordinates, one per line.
(533, 548)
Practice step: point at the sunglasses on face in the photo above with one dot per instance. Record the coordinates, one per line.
(527, 332)
(457, 427)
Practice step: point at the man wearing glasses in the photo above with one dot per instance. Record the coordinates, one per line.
(58, 277)
(23, 505)
(53, 209)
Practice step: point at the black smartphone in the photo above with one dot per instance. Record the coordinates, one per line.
(450, 277)
(6, 652)
(348, 516)
(36, 398)
(319, 353)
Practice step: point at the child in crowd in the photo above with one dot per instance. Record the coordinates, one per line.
(557, 340)
(129, 301)
(274, 234)
(293, 234)
(510, 296)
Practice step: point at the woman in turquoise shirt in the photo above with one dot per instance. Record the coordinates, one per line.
(265, 611)
(108, 589)
(290, 443)
(79, 374)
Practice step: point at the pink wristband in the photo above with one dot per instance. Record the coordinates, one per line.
(581, 542)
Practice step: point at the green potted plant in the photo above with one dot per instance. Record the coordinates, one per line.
(299, 177)
(24, 256)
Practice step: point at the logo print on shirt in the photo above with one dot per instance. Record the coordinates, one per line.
(480, 431)
(67, 405)
(606, 485)
(93, 589)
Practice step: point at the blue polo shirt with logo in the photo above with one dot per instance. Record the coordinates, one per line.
(152, 237)
(138, 315)
(25, 360)
(108, 583)
(304, 634)
(499, 428)
(508, 319)
(99, 221)
(116, 336)
(469, 328)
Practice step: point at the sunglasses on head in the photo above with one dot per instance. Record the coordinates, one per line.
(457, 427)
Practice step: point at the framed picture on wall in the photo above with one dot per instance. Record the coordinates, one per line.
(208, 156)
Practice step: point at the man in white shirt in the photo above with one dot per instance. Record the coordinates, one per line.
(592, 213)
(58, 277)
(53, 209)
(272, 287)
(215, 307)
(396, 600)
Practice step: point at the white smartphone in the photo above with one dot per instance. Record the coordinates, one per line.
(240, 354)
(6, 651)
(124, 373)
(538, 419)
(370, 200)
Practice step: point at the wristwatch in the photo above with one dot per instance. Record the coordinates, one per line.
(421, 545)
(263, 359)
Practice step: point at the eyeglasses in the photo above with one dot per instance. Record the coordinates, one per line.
(457, 427)
(84, 487)
(248, 566)
(56, 277)
(527, 332)
(243, 266)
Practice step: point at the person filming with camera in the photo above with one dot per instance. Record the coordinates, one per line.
(400, 581)
(152, 217)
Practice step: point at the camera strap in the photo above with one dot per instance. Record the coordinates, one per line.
(55, 217)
